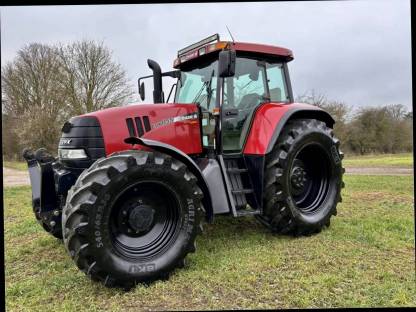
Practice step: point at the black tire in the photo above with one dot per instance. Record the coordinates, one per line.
(303, 179)
(132, 218)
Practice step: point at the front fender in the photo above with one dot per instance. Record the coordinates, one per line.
(269, 120)
(192, 166)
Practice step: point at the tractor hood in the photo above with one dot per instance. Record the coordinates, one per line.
(171, 123)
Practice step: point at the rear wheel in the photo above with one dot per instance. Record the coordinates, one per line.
(132, 217)
(303, 179)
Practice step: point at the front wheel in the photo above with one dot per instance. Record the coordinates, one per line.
(132, 217)
(303, 179)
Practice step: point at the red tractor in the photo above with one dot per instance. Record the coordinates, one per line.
(131, 185)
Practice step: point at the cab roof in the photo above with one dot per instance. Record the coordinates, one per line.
(213, 43)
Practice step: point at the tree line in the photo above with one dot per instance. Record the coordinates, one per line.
(368, 130)
(45, 85)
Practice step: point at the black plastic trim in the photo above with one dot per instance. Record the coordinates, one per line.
(139, 126)
(84, 121)
(146, 123)
(130, 127)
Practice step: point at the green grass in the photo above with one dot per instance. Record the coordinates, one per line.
(365, 259)
(385, 160)
(19, 165)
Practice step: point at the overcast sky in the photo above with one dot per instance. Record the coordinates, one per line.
(358, 52)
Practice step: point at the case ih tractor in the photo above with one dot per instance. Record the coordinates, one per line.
(131, 185)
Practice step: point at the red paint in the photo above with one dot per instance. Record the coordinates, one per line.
(184, 135)
(264, 124)
(237, 46)
(262, 48)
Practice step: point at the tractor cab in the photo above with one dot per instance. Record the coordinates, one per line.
(228, 80)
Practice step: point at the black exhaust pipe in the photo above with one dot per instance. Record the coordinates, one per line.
(158, 96)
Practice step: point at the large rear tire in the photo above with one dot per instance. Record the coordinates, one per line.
(303, 179)
(132, 217)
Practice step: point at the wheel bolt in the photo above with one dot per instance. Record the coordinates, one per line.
(56, 213)
(124, 212)
(52, 223)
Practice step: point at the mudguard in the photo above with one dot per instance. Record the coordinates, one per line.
(269, 120)
(193, 167)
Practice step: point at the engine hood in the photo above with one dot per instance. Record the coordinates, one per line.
(172, 123)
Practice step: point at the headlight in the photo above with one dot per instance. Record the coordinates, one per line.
(72, 153)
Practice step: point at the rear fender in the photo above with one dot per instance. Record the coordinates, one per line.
(270, 119)
(192, 166)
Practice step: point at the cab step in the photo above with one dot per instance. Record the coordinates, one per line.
(241, 213)
(239, 186)
(242, 191)
(236, 170)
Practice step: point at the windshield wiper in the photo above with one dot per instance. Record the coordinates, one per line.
(199, 92)
(206, 84)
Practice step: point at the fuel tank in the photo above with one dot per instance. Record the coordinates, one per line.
(171, 123)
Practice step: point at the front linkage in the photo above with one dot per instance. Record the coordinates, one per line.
(50, 182)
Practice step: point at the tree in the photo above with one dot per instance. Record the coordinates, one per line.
(385, 129)
(338, 110)
(46, 85)
(91, 79)
(32, 98)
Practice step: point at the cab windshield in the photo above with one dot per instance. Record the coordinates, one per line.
(255, 81)
(198, 85)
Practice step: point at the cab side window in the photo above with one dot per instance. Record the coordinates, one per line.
(277, 85)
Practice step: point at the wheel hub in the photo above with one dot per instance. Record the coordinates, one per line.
(141, 218)
(298, 177)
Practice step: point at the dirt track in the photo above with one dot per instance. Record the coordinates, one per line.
(379, 171)
(13, 177)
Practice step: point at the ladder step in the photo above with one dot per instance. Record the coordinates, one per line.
(242, 191)
(236, 170)
(247, 213)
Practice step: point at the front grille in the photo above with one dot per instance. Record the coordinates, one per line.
(83, 132)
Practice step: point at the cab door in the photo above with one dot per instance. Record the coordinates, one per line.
(243, 92)
(255, 82)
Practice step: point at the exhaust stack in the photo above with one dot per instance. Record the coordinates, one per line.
(158, 96)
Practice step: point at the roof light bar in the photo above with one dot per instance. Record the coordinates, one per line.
(198, 44)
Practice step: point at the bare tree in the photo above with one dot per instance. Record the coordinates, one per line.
(338, 110)
(91, 80)
(45, 85)
(31, 96)
(313, 98)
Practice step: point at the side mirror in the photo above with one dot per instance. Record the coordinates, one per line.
(226, 64)
(141, 91)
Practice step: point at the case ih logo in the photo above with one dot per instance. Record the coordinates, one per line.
(136, 127)
(65, 141)
(174, 119)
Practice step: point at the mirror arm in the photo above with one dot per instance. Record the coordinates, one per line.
(141, 78)
(170, 92)
(173, 74)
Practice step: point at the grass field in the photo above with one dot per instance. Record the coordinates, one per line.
(404, 160)
(365, 259)
(19, 165)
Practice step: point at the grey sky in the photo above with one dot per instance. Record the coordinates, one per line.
(358, 52)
